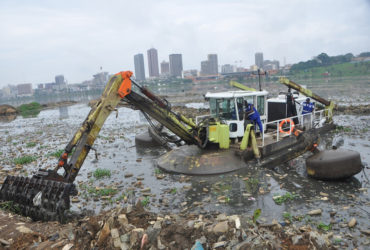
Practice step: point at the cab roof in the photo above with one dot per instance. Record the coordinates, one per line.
(235, 94)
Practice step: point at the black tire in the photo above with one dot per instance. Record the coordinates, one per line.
(334, 164)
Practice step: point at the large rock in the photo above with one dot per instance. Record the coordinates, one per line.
(221, 227)
(7, 110)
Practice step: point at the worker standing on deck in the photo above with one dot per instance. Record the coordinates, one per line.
(252, 114)
(308, 108)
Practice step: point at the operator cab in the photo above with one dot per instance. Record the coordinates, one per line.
(229, 107)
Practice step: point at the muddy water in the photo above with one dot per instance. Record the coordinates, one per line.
(235, 193)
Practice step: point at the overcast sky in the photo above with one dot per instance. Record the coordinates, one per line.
(43, 38)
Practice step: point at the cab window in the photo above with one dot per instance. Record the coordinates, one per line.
(261, 105)
(222, 108)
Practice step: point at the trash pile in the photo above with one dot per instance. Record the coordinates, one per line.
(132, 227)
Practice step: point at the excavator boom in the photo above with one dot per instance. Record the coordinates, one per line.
(329, 105)
(45, 196)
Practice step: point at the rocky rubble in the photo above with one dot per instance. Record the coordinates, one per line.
(7, 110)
(135, 228)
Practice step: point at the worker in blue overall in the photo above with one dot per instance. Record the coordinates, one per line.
(240, 112)
(308, 108)
(252, 114)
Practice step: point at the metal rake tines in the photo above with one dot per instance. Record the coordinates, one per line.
(38, 198)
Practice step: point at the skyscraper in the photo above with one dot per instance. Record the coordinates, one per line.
(59, 79)
(213, 64)
(153, 62)
(165, 68)
(258, 59)
(204, 68)
(175, 65)
(139, 67)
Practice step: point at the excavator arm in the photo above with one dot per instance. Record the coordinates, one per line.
(329, 105)
(45, 196)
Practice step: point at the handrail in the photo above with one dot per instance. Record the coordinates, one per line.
(317, 116)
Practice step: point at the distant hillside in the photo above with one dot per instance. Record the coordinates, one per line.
(334, 70)
(341, 65)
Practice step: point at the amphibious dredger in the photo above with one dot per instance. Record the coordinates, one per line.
(222, 142)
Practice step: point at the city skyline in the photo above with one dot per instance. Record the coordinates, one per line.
(41, 39)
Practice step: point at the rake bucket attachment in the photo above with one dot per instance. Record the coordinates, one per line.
(38, 197)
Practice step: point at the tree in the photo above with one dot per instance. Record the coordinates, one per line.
(364, 54)
(324, 58)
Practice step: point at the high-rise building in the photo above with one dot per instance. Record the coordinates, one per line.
(175, 65)
(258, 59)
(139, 67)
(209, 67)
(60, 83)
(24, 89)
(213, 64)
(59, 79)
(153, 62)
(271, 65)
(165, 68)
(204, 68)
(227, 68)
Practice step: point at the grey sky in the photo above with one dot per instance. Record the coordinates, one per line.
(42, 38)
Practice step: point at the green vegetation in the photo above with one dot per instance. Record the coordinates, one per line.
(56, 154)
(324, 227)
(337, 70)
(342, 129)
(280, 199)
(173, 191)
(322, 60)
(227, 199)
(99, 192)
(364, 130)
(251, 185)
(30, 110)
(101, 173)
(145, 201)
(287, 216)
(157, 171)
(30, 144)
(24, 159)
(10, 206)
(256, 214)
